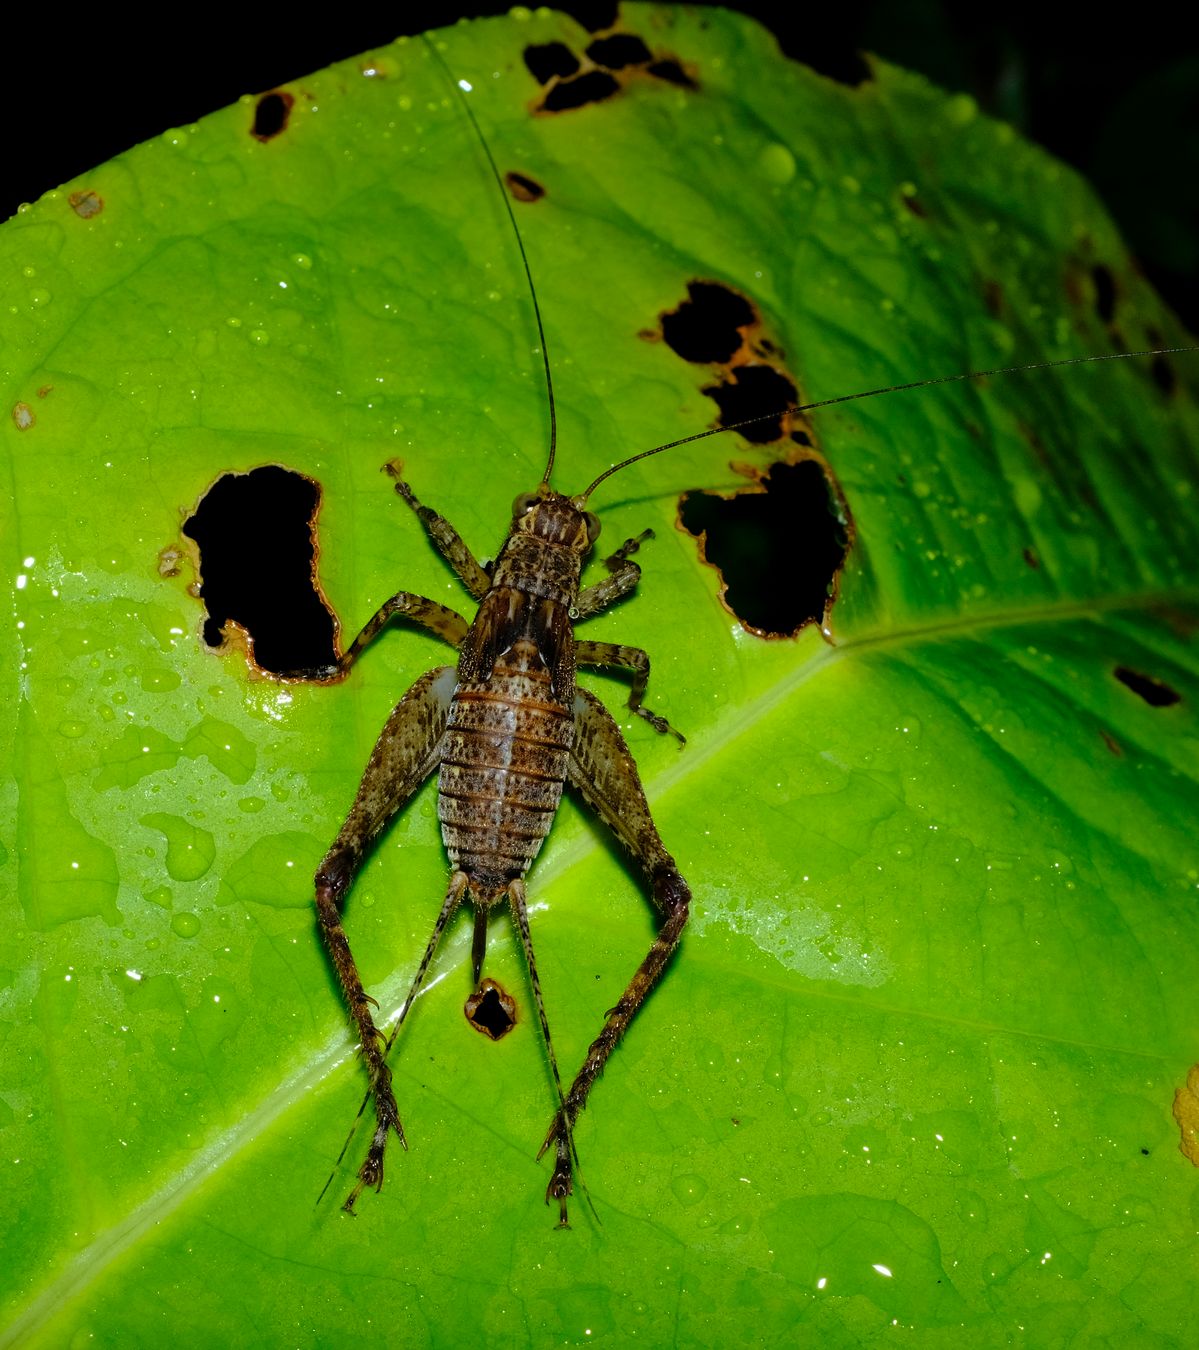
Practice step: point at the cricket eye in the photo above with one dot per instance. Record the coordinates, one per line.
(524, 504)
(592, 522)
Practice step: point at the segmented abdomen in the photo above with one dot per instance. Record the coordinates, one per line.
(506, 746)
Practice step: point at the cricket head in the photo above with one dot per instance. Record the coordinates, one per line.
(550, 517)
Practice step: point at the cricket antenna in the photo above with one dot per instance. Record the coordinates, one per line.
(871, 393)
(462, 88)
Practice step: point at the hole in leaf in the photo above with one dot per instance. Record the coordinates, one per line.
(778, 549)
(1157, 693)
(491, 1010)
(522, 188)
(672, 73)
(596, 16)
(593, 86)
(705, 328)
(547, 59)
(255, 534)
(751, 390)
(618, 51)
(271, 114)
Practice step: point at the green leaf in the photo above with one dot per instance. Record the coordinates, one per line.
(915, 1061)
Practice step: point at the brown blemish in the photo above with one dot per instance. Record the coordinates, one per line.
(1186, 1113)
(271, 114)
(717, 326)
(169, 559)
(45, 391)
(491, 1010)
(256, 557)
(23, 416)
(994, 299)
(778, 546)
(1157, 693)
(86, 204)
(1112, 744)
(915, 206)
(523, 188)
(1030, 557)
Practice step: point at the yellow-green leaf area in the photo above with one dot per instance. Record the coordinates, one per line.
(912, 1072)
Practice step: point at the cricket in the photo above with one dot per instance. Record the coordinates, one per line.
(505, 729)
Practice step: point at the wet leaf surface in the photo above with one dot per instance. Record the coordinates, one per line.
(916, 1061)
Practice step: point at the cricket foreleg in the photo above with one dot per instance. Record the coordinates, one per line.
(438, 619)
(603, 772)
(404, 755)
(624, 578)
(448, 542)
(626, 658)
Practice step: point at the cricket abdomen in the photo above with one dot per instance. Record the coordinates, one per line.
(505, 752)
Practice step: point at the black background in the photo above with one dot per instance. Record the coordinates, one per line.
(1122, 105)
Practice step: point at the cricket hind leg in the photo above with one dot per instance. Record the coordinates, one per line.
(516, 896)
(371, 1171)
(407, 751)
(604, 774)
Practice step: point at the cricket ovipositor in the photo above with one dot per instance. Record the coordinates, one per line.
(518, 655)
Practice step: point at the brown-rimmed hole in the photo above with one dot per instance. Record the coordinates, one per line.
(778, 548)
(255, 533)
(491, 1010)
(271, 113)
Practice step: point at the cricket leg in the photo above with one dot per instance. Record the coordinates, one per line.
(371, 1171)
(625, 576)
(440, 620)
(603, 772)
(516, 896)
(405, 754)
(626, 658)
(449, 543)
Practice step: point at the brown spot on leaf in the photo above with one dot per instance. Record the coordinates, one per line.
(256, 539)
(1112, 744)
(1157, 693)
(778, 546)
(23, 416)
(169, 559)
(1030, 557)
(86, 204)
(491, 1010)
(1186, 1113)
(271, 114)
(45, 391)
(523, 188)
(993, 298)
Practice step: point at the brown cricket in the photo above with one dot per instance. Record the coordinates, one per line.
(505, 731)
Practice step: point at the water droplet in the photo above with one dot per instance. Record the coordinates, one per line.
(777, 164)
(190, 849)
(71, 729)
(160, 895)
(185, 924)
(689, 1188)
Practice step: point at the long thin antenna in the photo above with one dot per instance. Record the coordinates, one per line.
(870, 393)
(461, 88)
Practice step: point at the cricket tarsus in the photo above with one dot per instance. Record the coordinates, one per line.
(505, 731)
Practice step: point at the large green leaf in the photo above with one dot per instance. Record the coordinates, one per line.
(914, 1065)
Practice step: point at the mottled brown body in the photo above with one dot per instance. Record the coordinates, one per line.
(506, 731)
